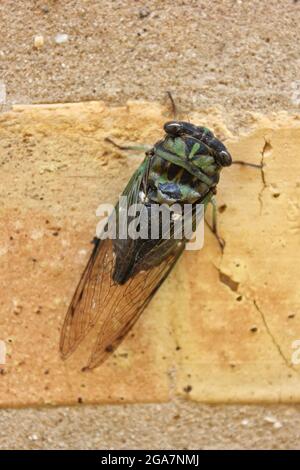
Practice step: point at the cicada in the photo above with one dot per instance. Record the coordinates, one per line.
(123, 274)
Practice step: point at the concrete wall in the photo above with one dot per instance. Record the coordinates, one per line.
(235, 314)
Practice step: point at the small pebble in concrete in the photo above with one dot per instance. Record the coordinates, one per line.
(61, 38)
(272, 420)
(38, 41)
(245, 422)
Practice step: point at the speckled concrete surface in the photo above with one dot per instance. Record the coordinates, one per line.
(243, 56)
(177, 425)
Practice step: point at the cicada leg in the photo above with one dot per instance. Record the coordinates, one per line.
(141, 148)
(173, 105)
(252, 165)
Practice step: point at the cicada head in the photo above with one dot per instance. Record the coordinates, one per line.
(191, 142)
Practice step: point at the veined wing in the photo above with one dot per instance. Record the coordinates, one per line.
(96, 282)
(126, 305)
(114, 307)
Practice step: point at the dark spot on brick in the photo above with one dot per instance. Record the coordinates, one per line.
(109, 348)
(292, 315)
(228, 281)
(253, 329)
(187, 389)
(222, 208)
(80, 400)
(239, 298)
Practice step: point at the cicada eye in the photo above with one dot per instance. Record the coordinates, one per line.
(173, 128)
(225, 158)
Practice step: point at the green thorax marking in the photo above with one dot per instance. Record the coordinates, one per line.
(192, 155)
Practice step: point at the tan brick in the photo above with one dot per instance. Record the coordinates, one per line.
(56, 169)
(237, 344)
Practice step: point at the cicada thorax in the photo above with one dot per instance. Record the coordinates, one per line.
(182, 170)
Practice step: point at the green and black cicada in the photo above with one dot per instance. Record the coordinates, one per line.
(124, 273)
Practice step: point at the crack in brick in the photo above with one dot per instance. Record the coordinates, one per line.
(266, 149)
(272, 337)
(234, 287)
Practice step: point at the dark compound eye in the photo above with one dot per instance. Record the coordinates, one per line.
(224, 158)
(173, 128)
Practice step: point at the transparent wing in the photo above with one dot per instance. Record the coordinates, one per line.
(96, 282)
(91, 293)
(100, 300)
(126, 305)
(114, 307)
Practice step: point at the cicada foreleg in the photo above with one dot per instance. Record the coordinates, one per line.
(139, 147)
(259, 166)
